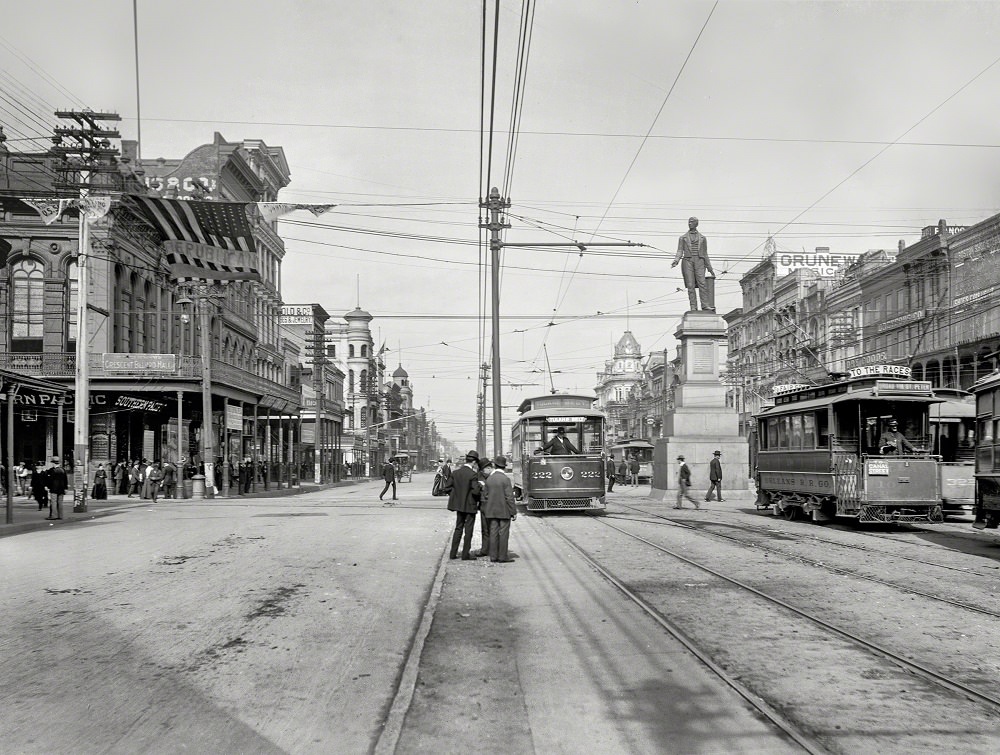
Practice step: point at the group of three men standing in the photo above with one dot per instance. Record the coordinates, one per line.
(482, 486)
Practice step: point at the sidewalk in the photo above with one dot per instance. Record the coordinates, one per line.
(27, 517)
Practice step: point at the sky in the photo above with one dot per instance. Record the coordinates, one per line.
(848, 125)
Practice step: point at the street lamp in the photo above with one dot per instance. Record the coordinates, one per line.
(201, 303)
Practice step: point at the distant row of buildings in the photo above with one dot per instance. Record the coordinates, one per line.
(933, 305)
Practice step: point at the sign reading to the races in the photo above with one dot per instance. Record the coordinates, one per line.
(881, 370)
(139, 362)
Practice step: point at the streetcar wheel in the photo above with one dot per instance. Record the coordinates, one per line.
(791, 513)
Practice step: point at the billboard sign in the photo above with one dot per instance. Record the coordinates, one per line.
(824, 263)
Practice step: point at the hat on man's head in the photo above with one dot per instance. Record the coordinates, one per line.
(560, 430)
(472, 456)
(483, 463)
(680, 458)
(893, 422)
(718, 453)
(500, 462)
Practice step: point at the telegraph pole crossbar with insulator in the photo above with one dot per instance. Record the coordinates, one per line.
(495, 205)
(87, 154)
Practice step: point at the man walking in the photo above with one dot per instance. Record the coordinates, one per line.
(464, 501)
(609, 470)
(57, 483)
(500, 509)
(715, 477)
(684, 484)
(389, 475)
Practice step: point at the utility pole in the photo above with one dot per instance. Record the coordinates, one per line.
(496, 223)
(495, 205)
(481, 409)
(87, 154)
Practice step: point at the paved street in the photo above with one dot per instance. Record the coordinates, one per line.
(287, 625)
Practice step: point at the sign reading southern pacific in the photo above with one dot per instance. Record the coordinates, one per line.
(880, 370)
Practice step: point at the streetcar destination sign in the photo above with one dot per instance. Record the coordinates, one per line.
(880, 370)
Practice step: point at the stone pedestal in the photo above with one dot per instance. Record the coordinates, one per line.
(700, 422)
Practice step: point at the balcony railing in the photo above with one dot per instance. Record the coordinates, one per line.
(62, 365)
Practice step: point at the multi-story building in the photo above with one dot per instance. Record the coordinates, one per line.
(319, 453)
(151, 403)
(932, 306)
(614, 386)
(365, 444)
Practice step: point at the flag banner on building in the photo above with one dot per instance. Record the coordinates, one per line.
(205, 241)
(48, 209)
(271, 211)
(93, 207)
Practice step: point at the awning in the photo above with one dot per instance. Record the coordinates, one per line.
(10, 377)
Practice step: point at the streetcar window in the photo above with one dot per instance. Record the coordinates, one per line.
(795, 436)
(822, 430)
(784, 432)
(772, 433)
(809, 431)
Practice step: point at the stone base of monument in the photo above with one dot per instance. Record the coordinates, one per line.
(700, 422)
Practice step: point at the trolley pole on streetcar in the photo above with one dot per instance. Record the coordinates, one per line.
(495, 204)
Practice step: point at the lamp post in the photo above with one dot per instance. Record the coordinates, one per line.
(201, 304)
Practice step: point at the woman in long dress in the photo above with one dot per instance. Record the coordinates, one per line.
(100, 484)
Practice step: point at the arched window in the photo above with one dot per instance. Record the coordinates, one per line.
(350, 379)
(350, 351)
(28, 280)
(363, 382)
(364, 349)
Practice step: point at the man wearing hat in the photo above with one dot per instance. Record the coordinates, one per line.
(684, 484)
(500, 509)
(715, 477)
(891, 441)
(464, 501)
(485, 470)
(559, 444)
(57, 483)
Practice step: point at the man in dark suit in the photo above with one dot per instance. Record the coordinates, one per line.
(57, 483)
(485, 470)
(389, 475)
(500, 510)
(464, 501)
(559, 445)
(609, 470)
(715, 477)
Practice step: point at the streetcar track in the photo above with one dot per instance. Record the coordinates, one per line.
(836, 569)
(767, 710)
(906, 664)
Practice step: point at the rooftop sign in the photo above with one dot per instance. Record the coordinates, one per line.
(824, 263)
(881, 370)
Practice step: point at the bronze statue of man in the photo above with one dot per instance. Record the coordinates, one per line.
(692, 253)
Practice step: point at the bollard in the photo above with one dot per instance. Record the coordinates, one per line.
(187, 489)
(198, 486)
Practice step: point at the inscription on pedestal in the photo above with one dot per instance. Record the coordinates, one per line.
(702, 354)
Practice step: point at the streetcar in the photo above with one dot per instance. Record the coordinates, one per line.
(820, 454)
(566, 481)
(953, 438)
(987, 506)
(640, 449)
